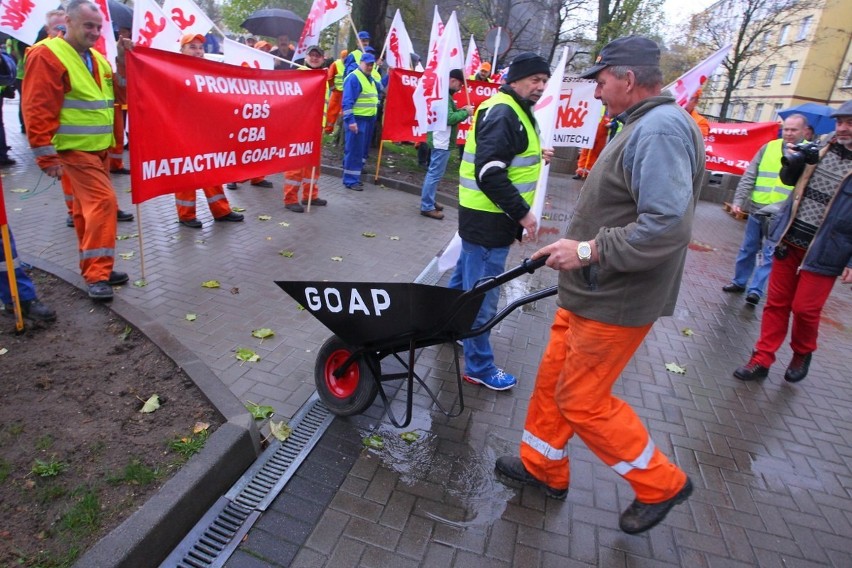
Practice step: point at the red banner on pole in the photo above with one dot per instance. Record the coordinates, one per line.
(730, 147)
(199, 123)
(400, 123)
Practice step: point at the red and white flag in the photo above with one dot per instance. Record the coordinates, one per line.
(432, 93)
(398, 46)
(106, 43)
(23, 19)
(685, 86)
(236, 53)
(151, 27)
(323, 13)
(434, 36)
(187, 16)
(472, 62)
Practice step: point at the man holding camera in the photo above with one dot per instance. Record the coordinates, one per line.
(761, 187)
(814, 236)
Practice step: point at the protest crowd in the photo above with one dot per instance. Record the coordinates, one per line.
(620, 262)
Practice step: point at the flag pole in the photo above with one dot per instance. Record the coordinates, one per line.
(141, 241)
(496, 49)
(13, 282)
(379, 160)
(354, 29)
(311, 192)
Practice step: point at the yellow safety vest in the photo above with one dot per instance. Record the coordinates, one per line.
(523, 171)
(368, 101)
(86, 118)
(338, 77)
(767, 186)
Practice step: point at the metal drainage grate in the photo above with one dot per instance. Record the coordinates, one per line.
(215, 537)
(431, 274)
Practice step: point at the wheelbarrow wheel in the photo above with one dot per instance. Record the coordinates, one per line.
(351, 393)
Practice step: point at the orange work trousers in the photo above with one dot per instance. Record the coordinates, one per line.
(335, 105)
(94, 210)
(301, 177)
(216, 201)
(116, 153)
(573, 395)
(68, 194)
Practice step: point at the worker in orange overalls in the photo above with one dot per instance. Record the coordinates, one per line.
(193, 45)
(588, 156)
(303, 176)
(116, 153)
(335, 99)
(68, 110)
(703, 123)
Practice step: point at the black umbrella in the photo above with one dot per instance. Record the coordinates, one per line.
(274, 22)
(121, 15)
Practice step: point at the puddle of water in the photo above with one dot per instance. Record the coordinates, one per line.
(466, 473)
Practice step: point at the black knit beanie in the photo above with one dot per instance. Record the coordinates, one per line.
(526, 64)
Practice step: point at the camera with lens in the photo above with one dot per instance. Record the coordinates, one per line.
(801, 154)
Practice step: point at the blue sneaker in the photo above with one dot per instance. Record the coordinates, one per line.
(499, 381)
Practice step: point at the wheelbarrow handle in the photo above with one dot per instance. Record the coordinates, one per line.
(533, 265)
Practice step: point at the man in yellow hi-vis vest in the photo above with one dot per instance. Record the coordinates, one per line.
(497, 180)
(68, 109)
(360, 105)
(759, 187)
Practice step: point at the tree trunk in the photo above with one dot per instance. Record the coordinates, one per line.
(370, 16)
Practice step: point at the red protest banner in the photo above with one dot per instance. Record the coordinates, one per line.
(400, 124)
(199, 123)
(730, 147)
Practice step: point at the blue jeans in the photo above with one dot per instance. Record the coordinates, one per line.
(746, 266)
(437, 167)
(26, 289)
(355, 149)
(476, 262)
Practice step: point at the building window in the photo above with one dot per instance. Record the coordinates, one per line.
(752, 80)
(758, 111)
(770, 73)
(791, 70)
(776, 107)
(782, 35)
(805, 28)
(741, 114)
(848, 81)
(766, 37)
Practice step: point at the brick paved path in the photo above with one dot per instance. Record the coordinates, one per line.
(771, 462)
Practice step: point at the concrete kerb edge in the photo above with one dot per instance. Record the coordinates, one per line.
(150, 533)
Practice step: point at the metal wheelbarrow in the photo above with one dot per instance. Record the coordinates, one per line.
(374, 321)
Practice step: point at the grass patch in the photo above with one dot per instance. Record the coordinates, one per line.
(44, 442)
(50, 468)
(10, 431)
(83, 518)
(135, 473)
(5, 468)
(190, 445)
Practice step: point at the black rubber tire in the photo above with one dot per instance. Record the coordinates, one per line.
(350, 394)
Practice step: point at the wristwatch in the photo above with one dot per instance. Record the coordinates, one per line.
(584, 253)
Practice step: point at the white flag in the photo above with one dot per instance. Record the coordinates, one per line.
(23, 19)
(398, 47)
(323, 13)
(187, 16)
(151, 27)
(106, 43)
(686, 85)
(432, 92)
(472, 61)
(236, 53)
(545, 116)
(434, 36)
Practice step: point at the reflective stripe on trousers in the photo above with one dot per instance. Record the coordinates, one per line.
(573, 395)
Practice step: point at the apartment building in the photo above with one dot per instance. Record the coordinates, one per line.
(801, 53)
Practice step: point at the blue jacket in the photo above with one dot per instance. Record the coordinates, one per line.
(831, 250)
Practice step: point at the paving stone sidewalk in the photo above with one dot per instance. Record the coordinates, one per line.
(771, 462)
